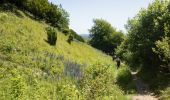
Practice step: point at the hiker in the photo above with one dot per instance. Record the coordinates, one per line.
(114, 57)
(118, 62)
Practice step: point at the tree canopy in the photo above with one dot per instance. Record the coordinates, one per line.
(145, 33)
(43, 9)
(105, 37)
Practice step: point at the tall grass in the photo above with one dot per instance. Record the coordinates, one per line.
(32, 69)
(165, 94)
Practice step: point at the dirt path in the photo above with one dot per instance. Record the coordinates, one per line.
(143, 90)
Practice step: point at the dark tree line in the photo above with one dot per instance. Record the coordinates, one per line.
(42, 9)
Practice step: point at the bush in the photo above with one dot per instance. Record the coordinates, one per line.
(124, 80)
(20, 83)
(163, 51)
(70, 39)
(8, 7)
(68, 92)
(165, 94)
(51, 36)
(66, 31)
(98, 83)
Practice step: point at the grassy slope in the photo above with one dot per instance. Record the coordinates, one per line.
(26, 64)
(25, 33)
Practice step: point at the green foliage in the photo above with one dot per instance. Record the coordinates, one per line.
(163, 51)
(25, 83)
(124, 80)
(31, 69)
(165, 94)
(58, 17)
(147, 27)
(69, 92)
(51, 36)
(104, 37)
(70, 39)
(17, 85)
(42, 9)
(99, 83)
(16, 31)
(29, 83)
(146, 46)
(66, 31)
(126, 55)
(8, 7)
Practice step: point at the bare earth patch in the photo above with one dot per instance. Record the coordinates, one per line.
(144, 97)
(144, 92)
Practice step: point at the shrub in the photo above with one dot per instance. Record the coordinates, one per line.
(124, 80)
(163, 51)
(68, 92)
(51, 36)
(66, 32)
(70, 39)
(165, 94)
(8, 7)
(98, 83)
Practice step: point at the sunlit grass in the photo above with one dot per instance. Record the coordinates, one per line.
(23, 31)
(29, 63)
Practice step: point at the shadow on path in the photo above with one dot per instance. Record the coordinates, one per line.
(143, 90)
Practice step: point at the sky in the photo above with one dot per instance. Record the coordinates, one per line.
(116, 12)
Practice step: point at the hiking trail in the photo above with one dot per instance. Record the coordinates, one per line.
(143, 90)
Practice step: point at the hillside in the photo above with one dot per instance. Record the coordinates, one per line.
(85, 36)
(43, 58)
(24, 34)
(32, 69)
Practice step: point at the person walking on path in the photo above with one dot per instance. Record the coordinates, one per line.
(118, 62)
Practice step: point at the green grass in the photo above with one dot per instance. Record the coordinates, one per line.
(165, 94)
(30, 34)
(31, 69)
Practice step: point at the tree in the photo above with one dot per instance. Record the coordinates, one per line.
(144, 30)
(162, 49)
(44, 10)
(104, 37)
